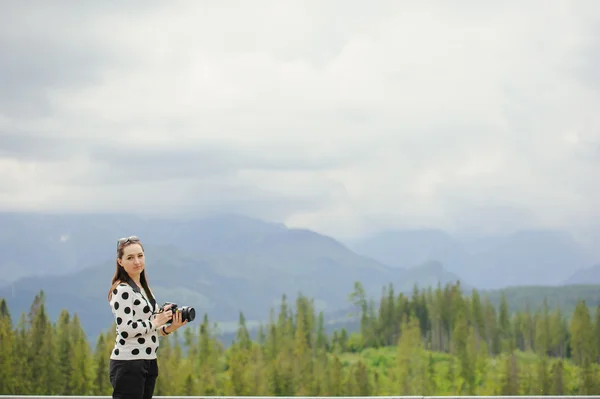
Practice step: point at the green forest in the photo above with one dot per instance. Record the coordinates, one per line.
(436, 341)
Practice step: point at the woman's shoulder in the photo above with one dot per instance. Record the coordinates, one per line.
(120, 288)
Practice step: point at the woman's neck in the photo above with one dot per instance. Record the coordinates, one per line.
(136, 280)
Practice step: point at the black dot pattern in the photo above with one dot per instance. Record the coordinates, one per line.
(137, 338)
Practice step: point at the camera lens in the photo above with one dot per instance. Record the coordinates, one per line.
(188, 313)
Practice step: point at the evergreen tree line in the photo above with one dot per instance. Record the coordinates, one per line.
(432, 342)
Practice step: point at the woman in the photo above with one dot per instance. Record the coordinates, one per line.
(133, 365)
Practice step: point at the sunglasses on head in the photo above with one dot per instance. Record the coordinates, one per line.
(127, 240)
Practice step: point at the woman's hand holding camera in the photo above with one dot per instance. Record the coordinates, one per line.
(177, 321)
(166, 315)
(163, 317)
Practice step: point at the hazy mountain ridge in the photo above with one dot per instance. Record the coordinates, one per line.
(57, 244)
(221, 266)
(46, 244)
(229, 263)
(540, 257)
(197, 282)
(590, 275)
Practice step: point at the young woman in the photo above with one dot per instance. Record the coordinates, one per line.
(133, 366)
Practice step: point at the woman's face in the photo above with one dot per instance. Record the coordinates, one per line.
(133, 260)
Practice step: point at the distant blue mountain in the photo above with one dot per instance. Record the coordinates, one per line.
(589, 275)
(221, 265)
(532, 257)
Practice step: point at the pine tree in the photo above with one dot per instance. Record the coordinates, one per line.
(558, 378)
(81, 374)
(543, 380)
(8, 354)
(102, 386)
(40, 345)
(510, 377)
(411, 373)
(462, 338)
(64, 347)
(583, 348)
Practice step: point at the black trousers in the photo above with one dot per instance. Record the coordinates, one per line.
(133, 379)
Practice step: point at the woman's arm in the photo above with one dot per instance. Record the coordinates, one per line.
(162, 332)
(175, 325)
(121, 305)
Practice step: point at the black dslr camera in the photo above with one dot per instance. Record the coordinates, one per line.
(188, 313)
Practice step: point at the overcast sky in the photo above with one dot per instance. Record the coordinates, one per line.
(341, 116)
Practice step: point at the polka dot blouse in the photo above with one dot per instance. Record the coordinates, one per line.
(137, 337)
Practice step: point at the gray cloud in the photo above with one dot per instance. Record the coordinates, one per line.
(464, 116)
(40, 52)
(29, 147)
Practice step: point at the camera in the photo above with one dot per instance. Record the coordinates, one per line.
(188, 313)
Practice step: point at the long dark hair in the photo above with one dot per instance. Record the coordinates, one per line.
(121, 275)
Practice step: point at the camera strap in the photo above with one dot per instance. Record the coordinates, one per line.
(137, 289)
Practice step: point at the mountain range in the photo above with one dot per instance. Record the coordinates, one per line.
(220, 265)
(589, 275)
(526, 257)
(225, 264)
